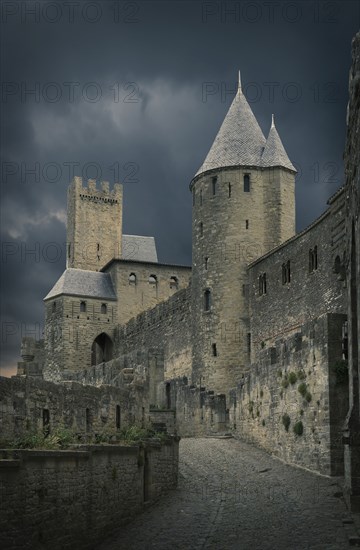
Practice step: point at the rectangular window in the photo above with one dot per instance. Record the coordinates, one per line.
(246, 224)
(207, 300)
(206, 263)
(229, 190)
(118, 418)
(46, 421)
(249, 342)
(214, 181)
(247, 183)
(214, 350)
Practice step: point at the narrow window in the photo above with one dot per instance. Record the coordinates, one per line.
(69, 250)
(247, 183)
(315, 258)
(206, 262)
(249, 342)
(246, 224)
(311, 258)
(201, 200)
(46, 421)
(264, 283)
(344, 341)
(207, 300)
(118, 417)
(201, 227)
(82, 307)
(103, 308)
(88, 420)
(153, 280)
(214, 350)
(193, 196)
(214, 181)
(54, 306)
(174, 282)
(98, 247)
(132, 279)
(229, 190)
(244, 290)
(288, 273)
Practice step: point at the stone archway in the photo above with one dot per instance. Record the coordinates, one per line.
(101, 349)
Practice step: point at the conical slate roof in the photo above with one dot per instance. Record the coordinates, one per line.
(274, 153)
(239, 141)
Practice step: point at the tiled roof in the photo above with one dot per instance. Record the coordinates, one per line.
(240, 141)
(274, 153)
(138, 248)
(80, 282)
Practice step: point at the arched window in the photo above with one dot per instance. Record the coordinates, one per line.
(174, 282)
(262, 284)
(132, 279)
(153, 280)
(247, 183)
(102, 349)
(207, 300)
(82, 307)
(286, 274)
(103, 308)
(313, 262)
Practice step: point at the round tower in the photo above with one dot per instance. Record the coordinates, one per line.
(243, 205)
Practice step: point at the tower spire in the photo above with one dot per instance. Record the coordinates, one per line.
(272, 121)
(239, 82)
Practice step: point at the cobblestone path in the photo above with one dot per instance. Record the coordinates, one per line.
(234, 496)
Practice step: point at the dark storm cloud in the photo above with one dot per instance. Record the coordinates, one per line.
(166, 73)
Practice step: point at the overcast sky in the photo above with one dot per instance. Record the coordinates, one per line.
(135, 92)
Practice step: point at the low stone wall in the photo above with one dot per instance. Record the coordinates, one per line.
(26, 402)
(76, 498)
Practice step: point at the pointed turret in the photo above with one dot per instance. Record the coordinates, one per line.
(239, 141)
(274, 153)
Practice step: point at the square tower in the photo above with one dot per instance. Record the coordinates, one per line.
(94, 224)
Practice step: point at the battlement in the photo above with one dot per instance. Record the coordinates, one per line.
(93, 193)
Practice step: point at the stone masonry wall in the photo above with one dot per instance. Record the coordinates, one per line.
(70, 333)
(303, 362)
(136, 291)
(285, 307)
(165, 328)
(76, 498)
(94, 224)
(83, 409)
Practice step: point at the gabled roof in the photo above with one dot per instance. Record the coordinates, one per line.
(138, 248)
(80, 282)
(274, 153)
(239, 141)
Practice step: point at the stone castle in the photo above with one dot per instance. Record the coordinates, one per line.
(259, 337)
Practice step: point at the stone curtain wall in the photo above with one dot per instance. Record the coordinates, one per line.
(269, 398)
(285, 307)
(76, 498)
(167, 328)
(22, 401)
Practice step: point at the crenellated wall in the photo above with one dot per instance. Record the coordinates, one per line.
(94, 224)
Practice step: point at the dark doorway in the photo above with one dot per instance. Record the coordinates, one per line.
(102, 349)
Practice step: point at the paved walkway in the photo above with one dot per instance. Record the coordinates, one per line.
(234, 496)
